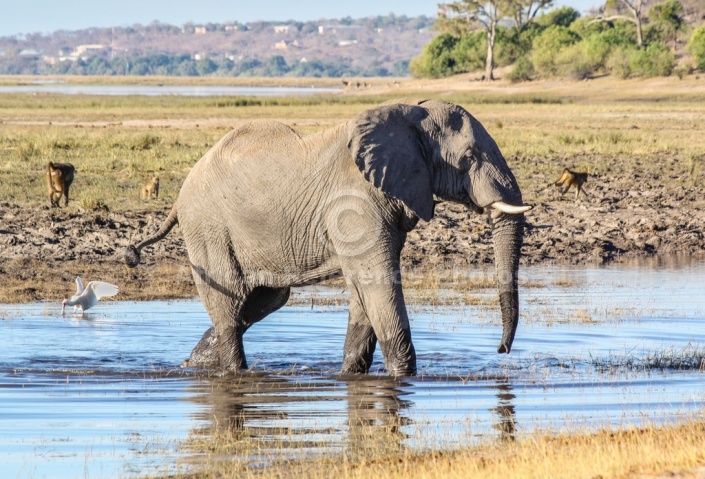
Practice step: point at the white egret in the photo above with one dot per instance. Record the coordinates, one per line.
(86, 298)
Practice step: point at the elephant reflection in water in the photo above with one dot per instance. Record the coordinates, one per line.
(506, 415)
(375, 415)
(256, 413)
(259, 408)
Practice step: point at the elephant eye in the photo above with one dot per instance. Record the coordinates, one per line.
(467, 160)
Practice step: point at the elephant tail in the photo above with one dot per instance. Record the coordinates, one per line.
(132, 253)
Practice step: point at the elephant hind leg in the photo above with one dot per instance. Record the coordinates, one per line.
(259, 303)
(263, 301)
(225, 308)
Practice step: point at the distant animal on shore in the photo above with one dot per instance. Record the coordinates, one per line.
(151, 189)
(86, 298)
(572, 178)
(59, 177)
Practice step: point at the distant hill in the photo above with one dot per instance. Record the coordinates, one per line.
(372, 46)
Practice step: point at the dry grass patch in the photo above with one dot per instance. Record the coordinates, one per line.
(565, 283)
(660, 451)
(39, 281)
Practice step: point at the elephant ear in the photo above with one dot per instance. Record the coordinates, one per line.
(390, 148)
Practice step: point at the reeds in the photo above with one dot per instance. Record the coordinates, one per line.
(690, 358)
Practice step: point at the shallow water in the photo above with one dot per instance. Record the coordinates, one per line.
(156, 90)
(104, 396)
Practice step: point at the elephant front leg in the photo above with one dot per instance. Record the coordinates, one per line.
(382, 300)
(360, 340)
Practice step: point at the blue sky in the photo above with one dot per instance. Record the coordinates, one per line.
(44, 16)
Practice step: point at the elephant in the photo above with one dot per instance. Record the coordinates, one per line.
(267, 209)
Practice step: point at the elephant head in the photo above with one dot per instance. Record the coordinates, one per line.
(417, 150)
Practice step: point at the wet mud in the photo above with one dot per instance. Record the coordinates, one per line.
(622, 218)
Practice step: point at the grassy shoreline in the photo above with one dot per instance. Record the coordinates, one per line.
(641, 140)
(119, 141)
(672, 450)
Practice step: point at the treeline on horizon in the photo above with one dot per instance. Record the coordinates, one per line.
(146, 62)
(184, 65)
(556, 43)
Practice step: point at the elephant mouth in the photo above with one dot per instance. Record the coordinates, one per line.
(477, 209)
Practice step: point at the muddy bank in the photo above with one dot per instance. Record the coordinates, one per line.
(622, 218)
(43, 249)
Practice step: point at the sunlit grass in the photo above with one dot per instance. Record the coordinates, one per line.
(651, 451)
(167, 280)
(118, 142)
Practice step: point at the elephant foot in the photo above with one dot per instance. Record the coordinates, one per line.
(356, 365)
(360, 344)
(205, 354)
(401, 362)
(401, 370)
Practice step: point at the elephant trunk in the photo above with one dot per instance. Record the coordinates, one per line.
(508, 233)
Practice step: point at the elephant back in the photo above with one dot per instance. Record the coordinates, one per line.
(251, 153)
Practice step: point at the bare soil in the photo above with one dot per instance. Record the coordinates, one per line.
(42, 249)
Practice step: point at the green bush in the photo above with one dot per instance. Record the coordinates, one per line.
(619, 62)
(576, 61)
(436, 59)
(619, 32)
(590, 55)
(523, 70)
(666, 20)
(446, 55)
(470, 53)
(653, 61)
(586, 26)
(512, 44)
(696, 47)
(546, 47)
(562, 17)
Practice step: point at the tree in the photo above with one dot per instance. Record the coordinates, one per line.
(463, 17)
(466, 16)
(696, 47)
(667, 19)
(436, 60)
(524, 11)
(563, 16)
(636, 9)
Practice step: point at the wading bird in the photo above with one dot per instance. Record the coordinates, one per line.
(86, 298)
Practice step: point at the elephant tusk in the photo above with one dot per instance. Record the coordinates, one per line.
(510, 209)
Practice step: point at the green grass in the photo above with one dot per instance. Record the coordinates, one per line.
(117, 143)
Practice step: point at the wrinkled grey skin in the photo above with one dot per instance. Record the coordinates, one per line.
(205, 354)
(266, 209)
